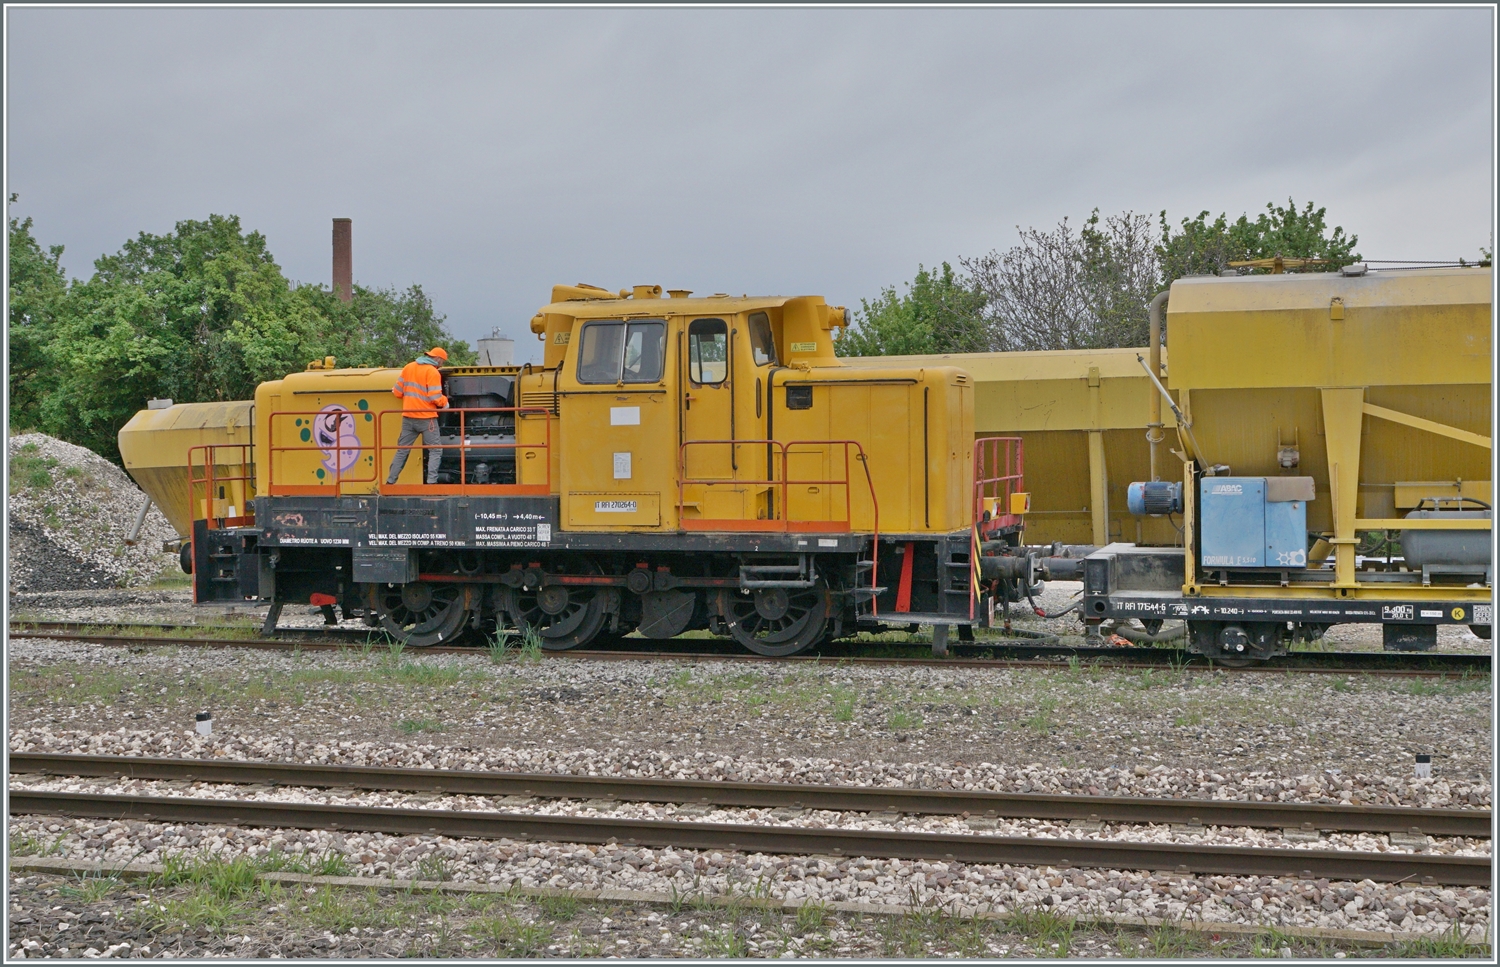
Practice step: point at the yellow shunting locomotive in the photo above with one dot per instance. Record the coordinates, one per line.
(674, 463)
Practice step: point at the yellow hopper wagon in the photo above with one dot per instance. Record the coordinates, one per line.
(674, 463)
(1332, 463)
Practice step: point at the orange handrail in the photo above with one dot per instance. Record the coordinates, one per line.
(999, 463)
(516, 489)
(336, 485)
(782, 523)
(340, 479)
(210, 479)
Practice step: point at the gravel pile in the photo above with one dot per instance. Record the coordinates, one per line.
(960, 888)
(70, 512)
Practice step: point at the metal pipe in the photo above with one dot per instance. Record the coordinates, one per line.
(140, 523)
(1154, 431)
(1182, 421)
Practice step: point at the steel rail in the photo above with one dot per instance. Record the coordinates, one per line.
(963, 848)
(1025, 656)
(1473, 823)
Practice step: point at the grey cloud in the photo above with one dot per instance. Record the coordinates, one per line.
(490, 153)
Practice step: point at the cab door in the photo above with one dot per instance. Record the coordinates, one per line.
(710, 451)
(729, 468)
(613, 389)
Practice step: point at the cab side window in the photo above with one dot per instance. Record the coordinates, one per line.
(614, 352)
(762, 345)
(708, 350)
(645, 351)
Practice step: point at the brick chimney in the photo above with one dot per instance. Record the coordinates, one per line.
(343, 259)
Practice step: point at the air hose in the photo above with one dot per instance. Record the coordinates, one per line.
(1056, 614)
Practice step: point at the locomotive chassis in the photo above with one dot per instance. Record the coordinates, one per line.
(486, 550)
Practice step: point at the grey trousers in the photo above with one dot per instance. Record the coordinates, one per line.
(410, 430)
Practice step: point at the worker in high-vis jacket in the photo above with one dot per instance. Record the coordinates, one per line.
(420, 390)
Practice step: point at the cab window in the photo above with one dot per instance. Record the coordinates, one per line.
(762, 345)
(614, 352)
(708, 350)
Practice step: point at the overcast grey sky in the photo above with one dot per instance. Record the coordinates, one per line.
(489, 153)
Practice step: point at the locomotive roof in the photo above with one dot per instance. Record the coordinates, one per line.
(708, 305)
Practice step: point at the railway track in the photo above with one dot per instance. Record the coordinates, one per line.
(983, 654)
(1472, 823)
(792, 840)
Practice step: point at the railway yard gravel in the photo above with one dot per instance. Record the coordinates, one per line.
(1347, 739)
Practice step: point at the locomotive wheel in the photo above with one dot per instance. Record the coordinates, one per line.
(420, 614)
(562, 616)
(778, 622)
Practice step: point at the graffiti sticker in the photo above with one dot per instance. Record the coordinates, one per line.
(333, 432)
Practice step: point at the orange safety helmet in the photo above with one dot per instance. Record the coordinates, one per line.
(438, 352)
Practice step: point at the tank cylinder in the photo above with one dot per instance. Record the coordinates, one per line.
(1455, 548)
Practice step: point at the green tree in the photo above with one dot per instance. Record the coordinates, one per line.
(1203, 247)
(941, 312)
(204, 313)
(383, 327)
(38, 292)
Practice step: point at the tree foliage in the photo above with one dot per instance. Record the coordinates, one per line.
(939, 313)
(1203, 247)
(202, 313)
(1086, 288)
(1066, 289)
(38, 285)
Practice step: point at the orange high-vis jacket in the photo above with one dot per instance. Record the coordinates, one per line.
(421, 391)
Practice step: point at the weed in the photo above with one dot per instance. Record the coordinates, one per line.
(29, 845)
(434, 869)
(1444, 946)
(29, 471)
(500, 648)
(1169, 941)
(1042, 721)
(1269, 944)
(1050, 933)
(843, 706)
(513, 937)
(910, 934)
(89, 888)
(1188, 718)
(811, 916)
(1443, 685)
(1342, 685)
(564, 907)
(972, 938)
(413, 726)
(725, 942)
(904, 720)
(330, 864)
(531, 646)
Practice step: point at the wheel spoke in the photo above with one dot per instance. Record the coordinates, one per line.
(801, 617)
